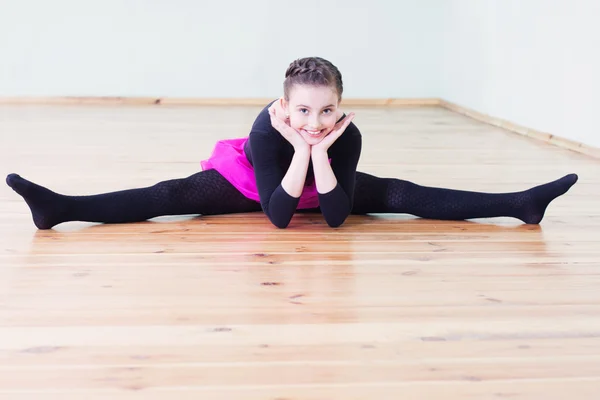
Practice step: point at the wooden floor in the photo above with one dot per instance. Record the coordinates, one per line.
(230, 307)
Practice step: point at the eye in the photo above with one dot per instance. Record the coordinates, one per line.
(327, 111)
(302, 110)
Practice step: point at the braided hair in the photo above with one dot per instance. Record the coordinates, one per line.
(314, 71)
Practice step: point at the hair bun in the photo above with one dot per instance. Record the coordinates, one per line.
(312, 71)
(302, 66)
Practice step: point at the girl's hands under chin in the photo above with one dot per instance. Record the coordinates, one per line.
(290, 134)
(335, 133)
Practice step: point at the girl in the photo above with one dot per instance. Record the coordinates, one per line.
(301, 154)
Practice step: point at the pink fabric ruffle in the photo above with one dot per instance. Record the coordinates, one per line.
(229, 159)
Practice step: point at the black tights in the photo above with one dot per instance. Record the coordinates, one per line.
(208, 193)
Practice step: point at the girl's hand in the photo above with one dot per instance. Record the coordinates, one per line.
(335, 133)
(290, 134)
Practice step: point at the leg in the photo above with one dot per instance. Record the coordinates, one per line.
(389, 195)
(205, 192)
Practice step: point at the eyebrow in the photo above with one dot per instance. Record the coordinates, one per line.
(302, 105)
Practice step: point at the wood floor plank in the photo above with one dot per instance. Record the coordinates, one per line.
(556, 389)
(418, 349)
(286, 373)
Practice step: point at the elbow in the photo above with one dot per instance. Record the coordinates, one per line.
(280, 223)
(335, 224)
(280, 214)
(336, 221)
(336, 216)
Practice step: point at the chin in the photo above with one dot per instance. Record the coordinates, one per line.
(313, 141)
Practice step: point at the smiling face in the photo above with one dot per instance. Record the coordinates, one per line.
(313, 111)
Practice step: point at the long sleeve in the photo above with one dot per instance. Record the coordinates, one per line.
(276, 203)
(336, 205)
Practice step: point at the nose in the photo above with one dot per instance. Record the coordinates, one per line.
(314, 123)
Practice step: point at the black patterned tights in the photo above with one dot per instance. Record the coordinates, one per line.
(208, 193)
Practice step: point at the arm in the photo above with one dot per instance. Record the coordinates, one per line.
(277, 204)
(335, 181)
(324, 176)
(279, 191)
(293, 181)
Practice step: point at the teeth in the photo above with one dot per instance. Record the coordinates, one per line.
(314, 133)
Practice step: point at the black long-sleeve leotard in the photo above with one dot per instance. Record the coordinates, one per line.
(270, 155)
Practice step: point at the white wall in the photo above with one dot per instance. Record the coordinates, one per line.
(532, 62)
(225, 48)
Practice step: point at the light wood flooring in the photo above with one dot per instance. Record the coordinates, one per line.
(230, 307)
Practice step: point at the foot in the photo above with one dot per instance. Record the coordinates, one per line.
(47, 207)
(540, 196)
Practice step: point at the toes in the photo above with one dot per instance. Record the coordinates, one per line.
(11, 178)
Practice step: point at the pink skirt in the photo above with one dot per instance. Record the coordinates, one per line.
(229, 159)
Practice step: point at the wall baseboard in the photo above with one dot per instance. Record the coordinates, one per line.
(133, 101)
(522, 130)
(354, 102)
(178, 101)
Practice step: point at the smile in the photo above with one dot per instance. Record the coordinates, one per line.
(312, 133)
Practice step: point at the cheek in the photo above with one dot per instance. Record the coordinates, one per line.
(296, 123)
(329, 122)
